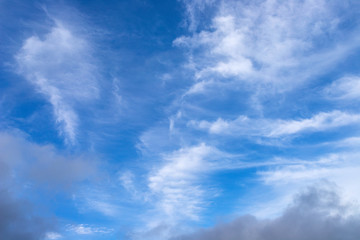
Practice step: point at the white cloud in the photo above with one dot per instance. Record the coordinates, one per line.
(99, 199)
(319, 122)
(193, 9)
(178, 187)
(347, 142)
(198, 87)
(274, 42)
(273, 128)
(344, 88)
(127, 180)
(84, 229)
(177, 182)
(176, 191)
(53, 235)
(106, 208)
(60, 65)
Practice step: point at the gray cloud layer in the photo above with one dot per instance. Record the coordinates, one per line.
(25, 163)
(18, 219)
(315, 214)
(43, 163)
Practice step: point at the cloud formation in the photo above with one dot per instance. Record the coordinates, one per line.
(339, 167)
(18, 217)
(43, 164)
(253, 102)
(275, 43)
(274, 128)
(177, 182)
(345, 88)
(318, 213)
(26, 167)
(61, 67)
(84, 229)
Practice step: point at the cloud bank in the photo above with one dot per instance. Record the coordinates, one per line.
(27, 167)
(317, 213)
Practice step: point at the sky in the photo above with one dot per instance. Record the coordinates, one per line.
(179, 120)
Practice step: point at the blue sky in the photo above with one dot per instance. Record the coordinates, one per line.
(179, 119)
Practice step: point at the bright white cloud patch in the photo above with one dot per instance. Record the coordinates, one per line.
(61, 67)
(346, 88)
(273, 42)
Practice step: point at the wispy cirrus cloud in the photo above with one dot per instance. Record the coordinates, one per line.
(61, 66)
(274, 128)
(177, 182)
(177, 189)
(85, 229)
(339, 167)
(345, 88)
(195, 8)
(268, 42)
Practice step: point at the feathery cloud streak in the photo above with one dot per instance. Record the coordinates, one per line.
(61, 67)
(273, 128)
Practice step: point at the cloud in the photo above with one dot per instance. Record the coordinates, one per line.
(274, 128)
(127, 181)
(19, 218)
(317, 213)
(43, 163)
(177, 182)
(346, 88)
(350, 142)
(176, 191)
(26, 167)
(341, 168)
(273, 43)
(104, 207)
(53, 235)
(193, 10)
(61, 67)
(84, 229)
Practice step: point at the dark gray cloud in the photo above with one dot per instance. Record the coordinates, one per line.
(18, 221)
(316, 214)
(24, 167)
(18, 218)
